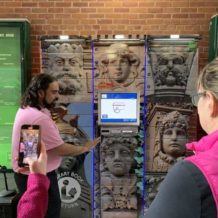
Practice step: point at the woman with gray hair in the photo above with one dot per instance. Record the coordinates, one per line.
(190, 189)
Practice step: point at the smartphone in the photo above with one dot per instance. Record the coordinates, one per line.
(29, 145)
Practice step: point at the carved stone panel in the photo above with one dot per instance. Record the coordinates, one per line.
(118, 180)
(152, 183)
(171, 68)
(166, 137)
(70, 62)
(119, 66)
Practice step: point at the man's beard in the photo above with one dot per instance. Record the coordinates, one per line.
(49, 105)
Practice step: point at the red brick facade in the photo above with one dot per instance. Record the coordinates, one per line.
(94, 17)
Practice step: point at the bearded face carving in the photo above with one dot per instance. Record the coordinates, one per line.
(170, 69)
(65, 62)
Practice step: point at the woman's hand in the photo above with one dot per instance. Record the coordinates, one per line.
(39, 165)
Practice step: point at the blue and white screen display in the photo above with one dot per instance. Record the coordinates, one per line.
(119, 108)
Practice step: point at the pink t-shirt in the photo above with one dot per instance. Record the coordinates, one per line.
(49, 134)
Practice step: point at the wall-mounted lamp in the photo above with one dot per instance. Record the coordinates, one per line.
(174, 36)
(63, 37)
(119, 36)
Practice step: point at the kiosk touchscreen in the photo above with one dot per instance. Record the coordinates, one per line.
(118, 109)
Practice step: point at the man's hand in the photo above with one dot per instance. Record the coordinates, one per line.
(91, 144)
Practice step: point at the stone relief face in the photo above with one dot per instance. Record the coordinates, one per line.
(67, 163)
(119, 69)
(67, 70)
(171, 69)
(118, 159)
(173, 141)
(171, 137)
(65, 63)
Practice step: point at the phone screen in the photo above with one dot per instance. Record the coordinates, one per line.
(29, 143)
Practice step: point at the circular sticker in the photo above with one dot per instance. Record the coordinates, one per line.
(69, 188)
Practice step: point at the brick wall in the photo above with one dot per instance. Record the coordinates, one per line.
(93, 17)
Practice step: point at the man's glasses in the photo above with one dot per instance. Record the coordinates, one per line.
(196, 97)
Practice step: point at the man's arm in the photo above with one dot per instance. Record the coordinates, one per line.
(74, 150)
